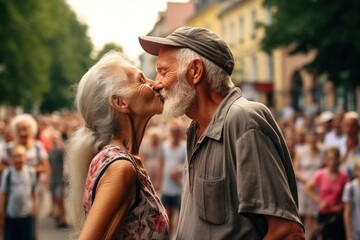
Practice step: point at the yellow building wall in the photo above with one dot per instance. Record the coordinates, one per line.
(208, 18)
(248, 48)
(227, 25)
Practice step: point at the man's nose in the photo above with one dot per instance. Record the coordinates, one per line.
(157, 85)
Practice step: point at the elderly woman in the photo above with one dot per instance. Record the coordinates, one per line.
(116, 101)
(24, 129)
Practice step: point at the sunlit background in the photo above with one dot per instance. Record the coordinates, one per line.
(303, 54)
(301, 57)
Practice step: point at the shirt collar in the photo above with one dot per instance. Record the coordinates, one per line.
(216, 124)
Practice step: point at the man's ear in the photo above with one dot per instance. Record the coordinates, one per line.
(196, 70)
(118, 104)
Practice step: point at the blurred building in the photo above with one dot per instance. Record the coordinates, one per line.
(275, 79)
(175, 15)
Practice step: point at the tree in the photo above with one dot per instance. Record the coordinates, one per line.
(44, 50)
(24, 59)
(70, 49)
(330, 28)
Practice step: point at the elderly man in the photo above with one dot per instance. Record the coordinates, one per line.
(238, 180)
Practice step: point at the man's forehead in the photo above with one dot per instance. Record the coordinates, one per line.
(166, 58)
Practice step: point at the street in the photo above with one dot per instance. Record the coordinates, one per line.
(46, 224)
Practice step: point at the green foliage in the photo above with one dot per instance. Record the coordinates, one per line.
(23, 56)
(44, 52)
(330, 28)
(70, 49)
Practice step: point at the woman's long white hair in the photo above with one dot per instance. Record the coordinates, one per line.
(102, 81)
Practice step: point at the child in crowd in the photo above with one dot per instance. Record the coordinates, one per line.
(18, 198)
(351, 199)
(325, 188)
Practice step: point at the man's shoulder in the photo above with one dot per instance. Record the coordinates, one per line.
(246, 110)
(248, 106)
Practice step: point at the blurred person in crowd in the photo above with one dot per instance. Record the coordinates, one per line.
(44, 131)
(116, 101)
(72, 124)
(238, 178)
(24, 129)
(335, 137)
(325, 120)
(56, 160)
(172, 159)
(306, 162)
(150, 152)
(326, 188)
(299, 137)
(351, 200)
(350, 151)
(18, 198)
(2, 138)
(289, 137)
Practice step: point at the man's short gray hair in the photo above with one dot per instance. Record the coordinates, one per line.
(218, 79)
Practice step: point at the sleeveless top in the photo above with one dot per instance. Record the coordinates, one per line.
(147, 218)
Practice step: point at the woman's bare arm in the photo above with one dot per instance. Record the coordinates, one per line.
(115, 194)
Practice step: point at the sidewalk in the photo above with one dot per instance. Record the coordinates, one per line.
(46, 225)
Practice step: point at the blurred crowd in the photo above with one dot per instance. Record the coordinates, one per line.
(325, 149)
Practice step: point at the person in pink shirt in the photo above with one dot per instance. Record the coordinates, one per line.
(325, 188)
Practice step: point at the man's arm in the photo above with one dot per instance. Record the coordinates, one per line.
(280, 228)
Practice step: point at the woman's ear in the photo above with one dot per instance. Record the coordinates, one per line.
(196, 70)
(118, 104)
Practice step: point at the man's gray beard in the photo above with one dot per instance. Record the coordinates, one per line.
(178, 98)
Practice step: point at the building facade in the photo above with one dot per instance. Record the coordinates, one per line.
(276, 79)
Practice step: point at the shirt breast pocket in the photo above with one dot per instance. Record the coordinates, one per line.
(211, 200)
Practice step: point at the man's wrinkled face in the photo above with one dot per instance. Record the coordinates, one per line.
(178, 94)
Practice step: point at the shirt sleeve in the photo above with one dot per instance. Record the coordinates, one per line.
(346, 193)
(316, 179)
(262, 181)
(3, 180)
(43, 153)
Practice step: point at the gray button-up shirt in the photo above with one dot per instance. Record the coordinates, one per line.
(239, 165)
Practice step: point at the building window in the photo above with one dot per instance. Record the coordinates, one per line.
(254, 69)
(242, 70)
(268, 16)
(241, 29)
(270, 68)
(253, 23)
(231, 33)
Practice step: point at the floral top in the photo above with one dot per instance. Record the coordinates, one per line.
(147, 218)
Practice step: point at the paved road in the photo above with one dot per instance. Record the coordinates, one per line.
(46, 225)
(48, 230)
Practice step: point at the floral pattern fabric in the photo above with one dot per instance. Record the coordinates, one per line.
(146, 220)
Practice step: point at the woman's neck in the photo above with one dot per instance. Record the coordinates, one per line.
(28, 143)
(131, 133)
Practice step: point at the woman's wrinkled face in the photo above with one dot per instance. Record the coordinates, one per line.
(23, 131)
(142, 100)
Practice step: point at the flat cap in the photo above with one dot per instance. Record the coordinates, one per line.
(202, 41)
